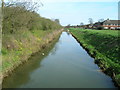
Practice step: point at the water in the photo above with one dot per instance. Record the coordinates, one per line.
(66, 65)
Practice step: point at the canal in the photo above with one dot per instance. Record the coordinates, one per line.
(65, 65)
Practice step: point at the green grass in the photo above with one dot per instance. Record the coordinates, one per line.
(103, 45)
(102, 32)
(24, 32)
(21, 45)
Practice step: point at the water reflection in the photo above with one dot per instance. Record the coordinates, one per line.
(67, 65)
(68, 33)
(22, 74)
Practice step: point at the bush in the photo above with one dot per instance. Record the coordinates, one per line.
(100, 28)
(19, 18)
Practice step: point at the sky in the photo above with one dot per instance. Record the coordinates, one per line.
(76, 11)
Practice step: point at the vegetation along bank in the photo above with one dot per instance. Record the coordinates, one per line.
(24, 32)
(103, 45)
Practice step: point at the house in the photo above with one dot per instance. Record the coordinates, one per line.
(111, 24)
(107, 24)
(98, 25)
(88, 26)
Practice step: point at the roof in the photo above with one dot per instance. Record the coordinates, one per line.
(112, 22)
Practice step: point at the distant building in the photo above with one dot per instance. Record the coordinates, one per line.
(88, 26)
(98, 25)
(111, 24)
(107, 24)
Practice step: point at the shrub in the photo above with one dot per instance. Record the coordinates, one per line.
(17, 17)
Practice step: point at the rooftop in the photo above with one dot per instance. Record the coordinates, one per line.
(112, 22)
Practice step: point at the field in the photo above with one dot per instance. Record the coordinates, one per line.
(103, 45)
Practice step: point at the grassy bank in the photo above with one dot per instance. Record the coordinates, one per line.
(103, 45)
(19, 47)
(33, 63)
(24, 32)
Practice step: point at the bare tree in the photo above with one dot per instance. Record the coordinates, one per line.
(101, 20)
(57, 21)
(81, 24)
(90, 20)
(30, 6)
(68, 25)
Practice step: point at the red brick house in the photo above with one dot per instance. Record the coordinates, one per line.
(111, 24)
(107, 24)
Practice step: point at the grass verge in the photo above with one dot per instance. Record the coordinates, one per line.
(103, 45)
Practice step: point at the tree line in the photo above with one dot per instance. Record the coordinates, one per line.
(24, 16)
